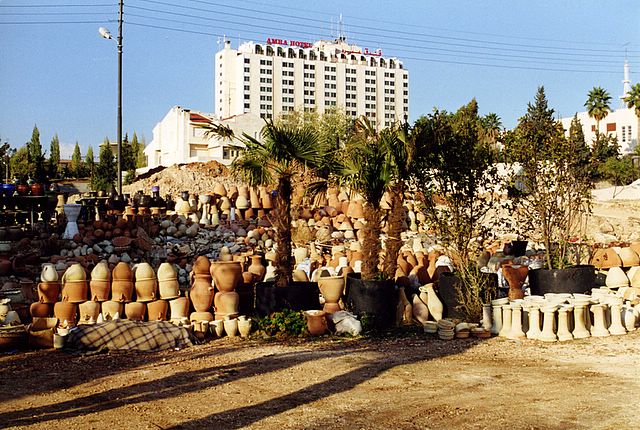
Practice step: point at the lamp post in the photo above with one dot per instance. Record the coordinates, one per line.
(105, 33)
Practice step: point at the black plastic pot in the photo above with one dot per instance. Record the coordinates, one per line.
(374, 300)
(517, 248)
(299, 296)
(447, 292)
(576, 279)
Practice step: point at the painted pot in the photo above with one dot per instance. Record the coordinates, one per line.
(201, 293)
(157, 310)
(74, 291)
(41, 310)
(48, 292)
(316, 322)
(65, 311)
(227, 275)
(135, 311)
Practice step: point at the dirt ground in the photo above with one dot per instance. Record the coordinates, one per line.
(411, 381)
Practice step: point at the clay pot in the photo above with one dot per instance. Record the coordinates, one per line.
(48, 292)
(201, 266)
(226, 303)
(167, 272)
(179, 308)
(89, 311)
(605, 258)
(257, 268)
(244, 326)
(629, 257)
(74, 291)
(75, 272)
(316, 322)
(157, 310)
(201, 293)
(121, 291)
(227, 275)
(331, 288)
(201, 316)
(110, 308)
(49, 273)
(231, 327)
(135, 311)
(65, 311)
(41, 310)
(122, 272)
(515, 276)
(100, 290)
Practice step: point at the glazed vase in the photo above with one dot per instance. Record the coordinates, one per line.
(227, 275)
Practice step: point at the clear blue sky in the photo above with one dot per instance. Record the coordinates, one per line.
(62, 76)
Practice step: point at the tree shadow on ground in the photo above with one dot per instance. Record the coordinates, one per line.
(185, 382)
(58, 370)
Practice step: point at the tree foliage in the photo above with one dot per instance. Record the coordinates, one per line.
(37, 170)
(20, 166)
(76, 168)
(54, 158)
(556, 185)
(598, 105)
(105, 171)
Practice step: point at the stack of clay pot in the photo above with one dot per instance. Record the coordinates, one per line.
(227, 275)
(74, 292)
(170, 291)
(331, 288)
(48, 292)
(146, 291)
(201, 292)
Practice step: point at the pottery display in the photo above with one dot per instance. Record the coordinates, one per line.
(74, 291)
(331, 288)
(420, 309)
(244, 326)
(122, 283)
(257, 268)
(49, 273)
(179, 308)
(201, 293)
(226, 303)
(111, 308)
(433, 301)
(41, 310)
(168, 285)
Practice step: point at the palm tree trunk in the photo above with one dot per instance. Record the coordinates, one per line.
(282, 222)
(393, 242)
(371, 247)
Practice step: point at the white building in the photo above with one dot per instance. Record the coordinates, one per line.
(621, 123)
(283, 75)
(179, 138)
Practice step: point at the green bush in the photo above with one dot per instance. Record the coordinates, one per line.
(285, 323)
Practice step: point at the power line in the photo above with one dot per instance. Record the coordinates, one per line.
(408, 58)
(58, 5)
(52, 22)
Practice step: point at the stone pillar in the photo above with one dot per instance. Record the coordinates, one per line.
(564, 333)
(580, 330)
(548, 335)
(598, 329)
(486, 317)
(506, 321)
(497, 319)
(616, 318)
(516, 322)
(534, 322)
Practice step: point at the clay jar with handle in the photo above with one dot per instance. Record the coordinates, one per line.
(89, 311)
(49, 273)
(135, 311)
(66, 311)
(256, 268)
(41, 310)
(157, 310)
(122, 283)
(201, 266)
(226, 303)
(227, 275)
(48, 292)
(146, 283)
(201, 292)
(100, 284)
(168, 281)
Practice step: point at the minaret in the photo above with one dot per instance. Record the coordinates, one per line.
(626, 83)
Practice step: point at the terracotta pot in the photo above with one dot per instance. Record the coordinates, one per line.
(135, 311)
(316, 322)
(167, 271)
(37, 189)
(157, 310)
(227, 303)
(169, 289)
(122, 272)
(146, 290)
(41, 310)
(121, 291)
(89, 311)
(201, 316)
(65, 311)
(48, 292)
(231, 327)
(227, 275)
(179, 308)
(201, 266)
(101, 272)
(100, 289)
(110, 308)
(201, 293)
(244, 326)
(515, 276)
(74, 291)
(331, 288)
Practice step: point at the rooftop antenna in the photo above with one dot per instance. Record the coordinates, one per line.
(626, 82)
(341, 37)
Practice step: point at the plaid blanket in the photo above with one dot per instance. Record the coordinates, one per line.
(128, 335)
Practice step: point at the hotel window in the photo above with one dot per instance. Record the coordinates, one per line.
(247, 61)
(246, 78)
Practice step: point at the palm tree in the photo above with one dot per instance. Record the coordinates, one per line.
(283, 151)
(598, 105)
(491, 127)
(632, 99)
(367, 170)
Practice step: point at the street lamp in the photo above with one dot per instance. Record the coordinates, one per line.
(107, 35)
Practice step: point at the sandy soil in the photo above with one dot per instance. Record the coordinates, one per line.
(408, 382)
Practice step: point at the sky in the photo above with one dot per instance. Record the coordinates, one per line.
(56, 72)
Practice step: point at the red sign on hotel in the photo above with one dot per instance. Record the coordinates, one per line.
(294, 43)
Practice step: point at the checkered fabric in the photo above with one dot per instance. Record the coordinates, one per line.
(128, 335)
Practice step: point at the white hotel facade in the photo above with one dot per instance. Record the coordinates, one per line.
(260, 81)
(284, 75)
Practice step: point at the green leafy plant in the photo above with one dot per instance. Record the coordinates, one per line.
(284, 323)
